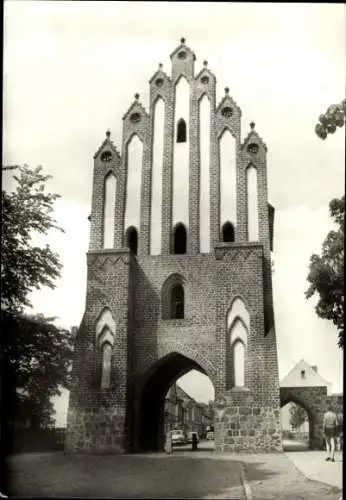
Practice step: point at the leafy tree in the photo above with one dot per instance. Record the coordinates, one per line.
(39, 357)
(329, 121)
(35, 354)
(297, 415)
(326, 272)
(26, 211)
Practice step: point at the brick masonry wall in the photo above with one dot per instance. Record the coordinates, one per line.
(131, 287)
(98, 420)
(211, 282)
(337, 402)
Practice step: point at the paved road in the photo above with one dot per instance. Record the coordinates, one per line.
(201, 474)
(201, 446)
(272, 473)
(288, 444)
(124, 476)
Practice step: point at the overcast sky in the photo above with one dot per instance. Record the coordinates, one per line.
(71, 70)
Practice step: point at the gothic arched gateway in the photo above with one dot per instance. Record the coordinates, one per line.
(161, 301)
(150, 398)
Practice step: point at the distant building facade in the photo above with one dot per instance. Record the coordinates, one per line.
(304, 375)
(183, 412)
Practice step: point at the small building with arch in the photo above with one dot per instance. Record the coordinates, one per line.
(183, 412)
(179, 272)
(304, 386)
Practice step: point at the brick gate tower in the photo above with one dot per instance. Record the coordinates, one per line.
(179, 273)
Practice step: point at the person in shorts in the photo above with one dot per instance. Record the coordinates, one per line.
(330, 432)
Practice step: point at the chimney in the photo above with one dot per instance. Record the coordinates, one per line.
(314, 368)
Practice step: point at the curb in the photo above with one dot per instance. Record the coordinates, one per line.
(245, 482)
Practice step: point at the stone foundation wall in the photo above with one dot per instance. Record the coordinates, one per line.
(337, 402)
(96, 430)
(246, 426)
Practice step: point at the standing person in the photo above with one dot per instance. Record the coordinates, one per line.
(329, 432)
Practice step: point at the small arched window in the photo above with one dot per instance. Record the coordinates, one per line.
(179, 239)
(177, 302)
(173, 297)
(106, 353)
(132, 239)
(227, 232)
(181, 130)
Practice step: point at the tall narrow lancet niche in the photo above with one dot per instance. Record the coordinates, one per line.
(238, 341)
(133, 187)
(105, 332)
(204, 185)
(180, 212)
(106, 353)
(110, 187)
(228, 179)
(156, 176)
(238, 326)
(252, 203)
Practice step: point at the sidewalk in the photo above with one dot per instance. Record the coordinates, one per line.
(313, 465)
(310, 463)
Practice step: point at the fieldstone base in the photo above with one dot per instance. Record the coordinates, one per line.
(243, 425)
(96, 430)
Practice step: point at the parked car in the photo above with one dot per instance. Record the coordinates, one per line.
(178, 437)
(210, 435)
(190, 436)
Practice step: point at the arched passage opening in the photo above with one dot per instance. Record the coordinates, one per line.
(297, 424)
(168, 402)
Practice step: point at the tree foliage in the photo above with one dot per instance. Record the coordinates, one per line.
(35, 354)
(297, 415)
(26, 211)
(329, 121)
(326, 272)
(38, 356)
